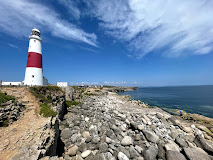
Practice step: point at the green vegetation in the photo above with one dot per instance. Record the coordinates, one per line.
(46, 111)
(40, 92)
(5, 123)
(4, 98)
(43, 93)
(45, 89)
(70, 103)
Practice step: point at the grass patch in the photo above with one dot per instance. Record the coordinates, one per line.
(72, 103)
(43, 93)
(44, 89)
(46, 111)
(4, 98)
(5, 123)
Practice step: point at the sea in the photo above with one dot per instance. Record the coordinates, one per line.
(192, 99)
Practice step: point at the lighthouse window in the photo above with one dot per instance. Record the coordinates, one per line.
(33, 76)
(34, 40)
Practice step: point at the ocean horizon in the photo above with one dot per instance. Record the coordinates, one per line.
(192, 99)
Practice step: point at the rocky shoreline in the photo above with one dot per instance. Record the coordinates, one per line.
(110, 127)
(106, 126)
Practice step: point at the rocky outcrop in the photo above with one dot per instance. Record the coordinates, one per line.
(10, 112)
(120, 89)
(58, 104)
(109, 127)
(69, 93)
(45, 144)
(106, 127)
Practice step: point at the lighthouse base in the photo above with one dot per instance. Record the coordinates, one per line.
(33, 76)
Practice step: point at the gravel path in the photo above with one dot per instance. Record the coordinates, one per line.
(25, 130)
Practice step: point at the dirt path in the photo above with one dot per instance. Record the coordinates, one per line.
(25, 130)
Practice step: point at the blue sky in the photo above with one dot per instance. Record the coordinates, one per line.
(122, 42)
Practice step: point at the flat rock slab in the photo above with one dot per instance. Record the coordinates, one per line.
(174, 155)
(152, 137)
(196, 154)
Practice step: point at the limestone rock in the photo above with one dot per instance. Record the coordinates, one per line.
(151, 153)
(172, 146)
(174, 155)
(181, 142)
(202, 143)
(103, 147)
(73, 150)
(196, 154)
(126, 141)
(122, 156)
(85, 134)
(85, 153)
(140, 127)
(133, 153)
(150, 136)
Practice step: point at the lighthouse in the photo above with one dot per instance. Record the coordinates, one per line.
(34, 71)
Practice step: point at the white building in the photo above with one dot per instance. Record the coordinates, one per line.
(62, 84)
(34, 71)
(12, 83)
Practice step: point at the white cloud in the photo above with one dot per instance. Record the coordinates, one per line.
(71, 7)
(183, 27)
(12, 45)
(19, 17)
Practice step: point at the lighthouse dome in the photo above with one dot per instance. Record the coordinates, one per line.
(36, 32)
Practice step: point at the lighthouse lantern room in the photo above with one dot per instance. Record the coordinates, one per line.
(34, 71)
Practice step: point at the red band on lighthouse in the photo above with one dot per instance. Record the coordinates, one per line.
(34, 60)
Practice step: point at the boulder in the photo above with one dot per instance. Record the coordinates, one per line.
(151, 136)
(133, 153)
(181, 142)
(126, 141)
(123, 150)
(134, 125)
(196, 154)
(83, 147)
(75, 137)
(66, 133)
(108, 156)
(122, 156)
(85, 153)
(151, 153)
(85, 134)
(172, 146)
(139, 149)
(103, 147)
(161, 150)
(203, 143)
(140, 127)
(174, 155)
(98, 157)
(73, 150)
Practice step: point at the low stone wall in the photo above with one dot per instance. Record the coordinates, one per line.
(10, 112)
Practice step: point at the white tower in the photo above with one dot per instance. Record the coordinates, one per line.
(34, 71)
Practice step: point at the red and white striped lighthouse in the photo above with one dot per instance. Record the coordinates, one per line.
(34, 71)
